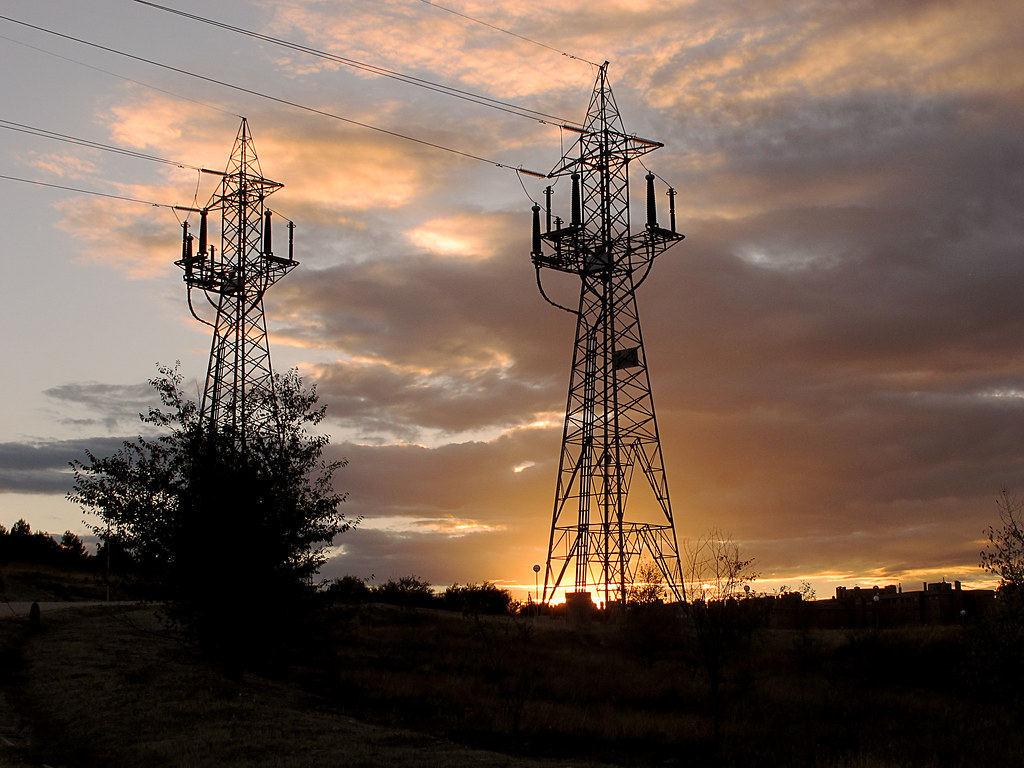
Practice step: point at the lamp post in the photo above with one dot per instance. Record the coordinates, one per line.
(536, 586)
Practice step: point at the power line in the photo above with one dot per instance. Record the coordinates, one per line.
(507, 32)
(120, 77)
(276, 99)
(46, 134)
(87, 192)
(447, 90)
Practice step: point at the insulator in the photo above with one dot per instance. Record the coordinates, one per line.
(652, 207)
(202, 232)
(672, 208)
(576, 215)
(185, 241)
(547, 195)
(186, 255)
(291, 241)
(536, 230)
(268, 249)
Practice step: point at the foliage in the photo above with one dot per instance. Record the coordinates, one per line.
(414, 592)
(21, 544)
(714, 569)
(999, 636)
(805, 591)
(478, 598)
(386, 691)
(648, 585)
(347, 589)
(1004, 555)
(722, 620)
(221, 529)
(407, 591)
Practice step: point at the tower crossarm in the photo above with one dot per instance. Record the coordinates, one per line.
(234, 276)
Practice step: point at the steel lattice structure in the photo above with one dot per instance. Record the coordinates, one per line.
(239, 393)
(610, 425)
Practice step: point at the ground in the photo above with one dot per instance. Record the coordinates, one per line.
(374, 685)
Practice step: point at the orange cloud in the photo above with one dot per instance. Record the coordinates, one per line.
(463, 236)
(65, 166)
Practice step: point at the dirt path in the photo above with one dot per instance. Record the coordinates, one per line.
(15, 736)
(20, 609)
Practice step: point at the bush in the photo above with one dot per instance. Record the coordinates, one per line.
(348, 590)
(478, 598)
(407, 591)
(225, 525)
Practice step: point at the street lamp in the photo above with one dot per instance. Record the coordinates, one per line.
(536, 571)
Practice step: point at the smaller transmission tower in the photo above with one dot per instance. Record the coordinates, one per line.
(610, 426)
(239, 395)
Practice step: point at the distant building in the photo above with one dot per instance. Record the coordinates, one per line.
(889, 606)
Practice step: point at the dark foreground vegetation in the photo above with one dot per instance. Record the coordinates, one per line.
(242, 662)
(372, 684)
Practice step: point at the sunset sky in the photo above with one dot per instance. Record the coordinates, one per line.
(836, 349)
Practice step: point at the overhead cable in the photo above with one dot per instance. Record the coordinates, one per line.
(507, 32)
(46, 134)
(261, 95)
(120, 77)
(87, 192)
(475, 98)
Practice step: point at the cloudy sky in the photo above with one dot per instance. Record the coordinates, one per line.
(835, 349)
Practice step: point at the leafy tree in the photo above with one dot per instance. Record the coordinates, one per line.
(22, 544)
(1004, 555)
(227, 537)
(998, 637)
(648, 586)
(72, 548)
(805, 591)
(650, 628)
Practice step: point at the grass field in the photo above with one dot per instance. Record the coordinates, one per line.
(383, 686)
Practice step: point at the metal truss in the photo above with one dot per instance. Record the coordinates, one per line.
(239, 394)
(610, 425)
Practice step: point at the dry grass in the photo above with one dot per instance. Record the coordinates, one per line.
(32, 581)
(112, 687)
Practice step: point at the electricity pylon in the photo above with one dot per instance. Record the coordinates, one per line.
(239, 395)
(610, 426)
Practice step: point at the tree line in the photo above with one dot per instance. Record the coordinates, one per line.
(21, 544)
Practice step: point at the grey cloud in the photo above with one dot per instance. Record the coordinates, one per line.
(112, 404)
(43, 467)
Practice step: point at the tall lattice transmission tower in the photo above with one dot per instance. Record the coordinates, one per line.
(239, 395)
(610, 426)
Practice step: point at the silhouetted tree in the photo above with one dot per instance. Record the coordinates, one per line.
(651, 629)
(22, 544)
(999, 635)
(1004, 555)
(648, 586)
(72, 549)
(228, 538)
(722, 615)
